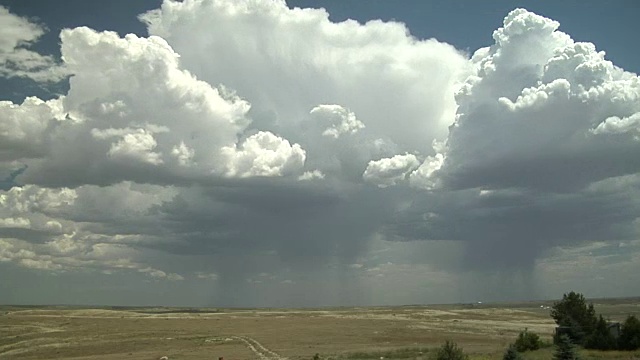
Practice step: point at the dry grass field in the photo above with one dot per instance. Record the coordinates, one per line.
(340, 333)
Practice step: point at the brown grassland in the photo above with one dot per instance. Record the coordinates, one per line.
(408, 332)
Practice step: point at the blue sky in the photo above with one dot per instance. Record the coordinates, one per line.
(608, 24)
(243, 153)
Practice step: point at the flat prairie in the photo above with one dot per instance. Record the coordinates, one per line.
(401, 332)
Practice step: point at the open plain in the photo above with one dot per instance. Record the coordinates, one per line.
(410, 332)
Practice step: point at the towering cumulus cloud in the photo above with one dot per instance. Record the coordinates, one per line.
(139, 116)
(542, 112)
(245, 147)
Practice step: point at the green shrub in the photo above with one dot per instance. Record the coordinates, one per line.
(546, 344)
(450, 351)
(527, 341)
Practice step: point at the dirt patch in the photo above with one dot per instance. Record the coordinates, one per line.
(138, 333)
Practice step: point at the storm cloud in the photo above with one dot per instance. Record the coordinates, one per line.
(246, 153)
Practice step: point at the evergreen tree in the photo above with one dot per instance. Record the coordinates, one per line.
(600, 338)
(630, 334)
(512, 354)
(565, 350)
(573, 313)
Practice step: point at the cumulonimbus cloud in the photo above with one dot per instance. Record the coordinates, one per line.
(540, 123)
(244, 137)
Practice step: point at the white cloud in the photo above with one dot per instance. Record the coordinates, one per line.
(23, 127)
(76, 252)
(183, 153)
(523, 167)
(17, 222)
(193, 151)
(40, 264)
(159, 274)
(31, 198)
(207, 276)
(424, 176)
(77, 229)
(130, 109)
(401, 88)
(123, 89)
(311, 175)
(390, 171)
(343, 121)
(538, 97)
(527, 116)
(263, 154)
(617, 125)
(137, 146)
(16, 34)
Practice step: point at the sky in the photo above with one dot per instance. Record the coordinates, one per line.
(262, 153)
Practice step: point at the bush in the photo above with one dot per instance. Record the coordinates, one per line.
(630, 334)
(601, 338)
(450, 351)
(512, 354)
(527, 341)
(565, 350)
